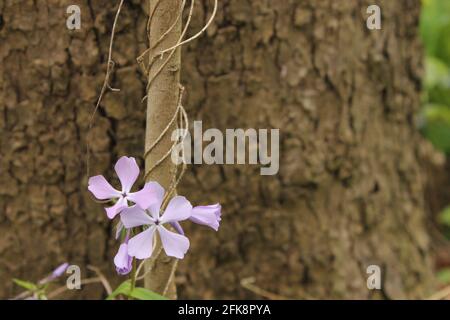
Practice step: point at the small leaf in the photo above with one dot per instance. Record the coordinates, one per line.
(42, 296)
(25, 284)
(444, 217)
(145, 294)
(123, 288)
(138, 293)
(444, 276)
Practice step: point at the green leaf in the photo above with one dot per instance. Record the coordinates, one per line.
(436, 127)
(435, 32)
(444, 276)
(145, 294)
(444, 217)
(123, 288)
(138, 293)
(437, 72)
(434, 24)
(42, 296)
(25, 284)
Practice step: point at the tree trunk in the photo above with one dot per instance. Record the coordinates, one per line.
(162, 102)
(350, 189)
(50, 78)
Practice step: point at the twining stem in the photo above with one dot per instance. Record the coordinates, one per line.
(109, 70)
(64, 288)
(198, 34)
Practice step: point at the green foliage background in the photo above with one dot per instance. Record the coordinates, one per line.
(435, 32)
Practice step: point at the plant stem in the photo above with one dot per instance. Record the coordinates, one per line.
(133, 275)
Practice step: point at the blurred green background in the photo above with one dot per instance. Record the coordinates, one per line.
(435, 31)
(435, 117)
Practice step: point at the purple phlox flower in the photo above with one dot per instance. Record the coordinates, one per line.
(58, 272)
(174, 244)
(127, 170)
(207, 215)
(122, 260)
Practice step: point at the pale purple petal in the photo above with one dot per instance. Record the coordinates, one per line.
(134, 217)
(152, 193)
(119, 229)
(207, 215)
(101, 188)
(177, 227)
(155, 207)
(127, 170)
(59, 271)
(141, 246)
(121, 204)
(122, 260)
(174, 244)
(178, 209)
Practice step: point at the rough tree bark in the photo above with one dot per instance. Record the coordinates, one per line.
(350, 188)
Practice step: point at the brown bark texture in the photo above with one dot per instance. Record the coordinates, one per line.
(350, 191)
